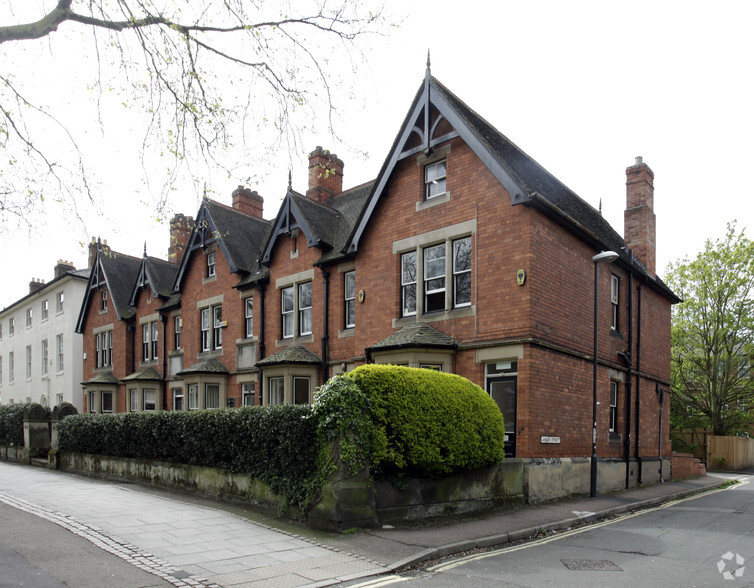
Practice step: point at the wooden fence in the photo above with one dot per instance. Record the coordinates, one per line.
(729, 453)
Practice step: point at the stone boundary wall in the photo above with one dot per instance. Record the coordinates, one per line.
(349, 502)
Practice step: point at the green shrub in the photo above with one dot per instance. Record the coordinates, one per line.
(278, 444)
(12, 424)
(342, 413)
(428, 423)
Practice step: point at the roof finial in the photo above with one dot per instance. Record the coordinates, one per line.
(429, 66)
(600, 205)
(290, 181)
(145, 248)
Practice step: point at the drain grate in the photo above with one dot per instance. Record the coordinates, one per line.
(591, 565)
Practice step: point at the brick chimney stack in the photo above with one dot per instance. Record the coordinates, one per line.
(93, 246)
(639, 216)
(248, 202)
(63, 266)
(325, 175)
(36, 285)
(180, 232)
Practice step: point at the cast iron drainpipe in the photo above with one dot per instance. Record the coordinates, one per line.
(638, 385)
(661, 394)
(629, 367)
(325, 331)
(164, 320)
(260, 289)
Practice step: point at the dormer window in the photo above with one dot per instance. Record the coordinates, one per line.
(211, 271)
(434, 180)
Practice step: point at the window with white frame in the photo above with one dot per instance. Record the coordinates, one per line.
(248, 313)
(60, 302)
(11, 367)
(133, 400)
(178, 399)
(276, 390)
(305, 308)
(45, 356)
(217, 327)
(408, 283)
(58, 399)
(91, 402)
(107, 402)
(104, 355)
(462, 272)
(60, 349)
(11, 326)
(614, 299)
(212, 334)
(146, 341)
(103, 308)
(211, 396)
(1, 331)
(434, 278)
(193, 397)
(149, 397)
(434, 179)
(177, 324)
(28, 362)
(248, 394)
(1, 369)
(613, 406)
(155, 327)
(286, 305)
(435, 295)
(211, 268)
(28, 317)
(301, 390)
(45, 309)
(349, 296)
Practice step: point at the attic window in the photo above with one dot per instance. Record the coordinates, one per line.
(434, 179)
(210, 264)
(104, 300)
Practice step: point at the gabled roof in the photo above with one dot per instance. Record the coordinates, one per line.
(117, 272)
(239, 238)
(526, 181)
(326, 226)
(316, 221)
(158, 274)
(297, 354)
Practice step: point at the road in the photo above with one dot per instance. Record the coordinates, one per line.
(702, 541)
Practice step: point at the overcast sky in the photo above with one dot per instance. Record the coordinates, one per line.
(582, 87)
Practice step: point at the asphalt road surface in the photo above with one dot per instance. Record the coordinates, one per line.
(40, 554)
(702, 541)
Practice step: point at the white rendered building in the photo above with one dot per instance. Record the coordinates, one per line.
(40, 352)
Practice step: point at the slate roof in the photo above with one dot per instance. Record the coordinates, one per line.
(102, 378)
(291, 354)
(349, 205)
(206, 366)
(147, 373)
(239, 237)
(162, 274)
(120, 274)
(416, 335)
(242, 235)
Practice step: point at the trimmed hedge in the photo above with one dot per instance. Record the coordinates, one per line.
(428, 423)
(12, 424)
(276, 444)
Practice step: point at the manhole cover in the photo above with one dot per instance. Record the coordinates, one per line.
(591, 565)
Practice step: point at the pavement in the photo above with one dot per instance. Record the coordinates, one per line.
(189, 541)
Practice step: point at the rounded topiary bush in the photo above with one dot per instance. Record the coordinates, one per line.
(429, 423)
(12, 424)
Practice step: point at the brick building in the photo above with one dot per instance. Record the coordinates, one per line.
(463, 255)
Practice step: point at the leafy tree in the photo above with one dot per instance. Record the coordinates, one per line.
(713, 336)
(206, 75)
